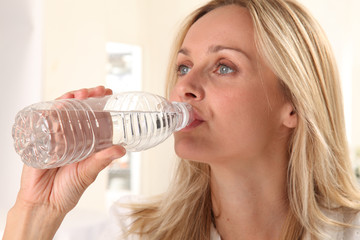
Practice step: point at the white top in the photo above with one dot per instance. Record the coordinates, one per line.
(333, 233)
(118, 223)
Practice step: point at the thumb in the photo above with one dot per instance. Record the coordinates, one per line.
(92, 166)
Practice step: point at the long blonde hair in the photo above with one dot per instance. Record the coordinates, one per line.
(319, 172)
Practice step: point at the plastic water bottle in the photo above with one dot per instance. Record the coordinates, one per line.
(54, 133)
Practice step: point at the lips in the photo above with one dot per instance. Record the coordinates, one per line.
(197, 121)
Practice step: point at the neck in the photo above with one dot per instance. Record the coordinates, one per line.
(250, 202)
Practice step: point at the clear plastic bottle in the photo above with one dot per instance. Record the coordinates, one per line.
(55, 133)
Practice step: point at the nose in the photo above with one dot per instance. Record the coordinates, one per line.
(189, 88)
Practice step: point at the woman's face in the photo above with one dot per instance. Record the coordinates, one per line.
(238, 102)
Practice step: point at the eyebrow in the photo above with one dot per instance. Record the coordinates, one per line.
(215, 49)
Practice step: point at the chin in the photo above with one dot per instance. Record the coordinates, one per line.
(190, 151)
(194, 147)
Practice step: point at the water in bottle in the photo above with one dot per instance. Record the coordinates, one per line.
(55, 133)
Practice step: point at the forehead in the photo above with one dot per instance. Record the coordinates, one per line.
(230, 25)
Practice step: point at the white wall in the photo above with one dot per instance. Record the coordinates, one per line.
(20, 79)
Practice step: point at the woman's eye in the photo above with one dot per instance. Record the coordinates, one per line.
(222, 69)
(183, 70)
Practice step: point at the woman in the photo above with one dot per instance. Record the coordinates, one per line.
(266, 157)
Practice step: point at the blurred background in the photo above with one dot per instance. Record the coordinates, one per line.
(50, 47)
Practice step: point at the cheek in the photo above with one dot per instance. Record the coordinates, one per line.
(244, 119)
(246, 106)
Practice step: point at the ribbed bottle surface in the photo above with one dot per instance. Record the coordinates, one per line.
(52, 134)
(48, 135)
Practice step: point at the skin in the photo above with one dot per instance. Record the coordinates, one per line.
(243, 123)
(46, 196)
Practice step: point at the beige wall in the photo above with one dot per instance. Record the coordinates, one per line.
(75, 35)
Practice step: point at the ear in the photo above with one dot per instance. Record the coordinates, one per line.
(289, 116)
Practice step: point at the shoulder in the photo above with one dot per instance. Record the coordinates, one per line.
(352, 232)
(348, 233)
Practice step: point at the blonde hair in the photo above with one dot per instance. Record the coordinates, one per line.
(319, 174)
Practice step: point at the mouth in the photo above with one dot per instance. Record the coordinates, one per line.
(197, 121)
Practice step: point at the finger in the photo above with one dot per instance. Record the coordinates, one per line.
(98, 91)
(79, 94)
(91, 167)
(108, 91)
(66, 95)
(84, 93)
(31, 176)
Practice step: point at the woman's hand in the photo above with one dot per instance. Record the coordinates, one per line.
(58, 190)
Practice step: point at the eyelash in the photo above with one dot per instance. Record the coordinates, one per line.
(217, 68)
(178, 69)
(222, 64)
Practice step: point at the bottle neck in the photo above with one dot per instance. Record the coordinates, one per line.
(185, 114)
